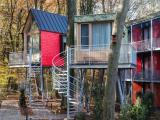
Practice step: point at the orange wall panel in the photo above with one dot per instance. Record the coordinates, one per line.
(137, 87)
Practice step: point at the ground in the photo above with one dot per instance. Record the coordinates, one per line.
(10, 111)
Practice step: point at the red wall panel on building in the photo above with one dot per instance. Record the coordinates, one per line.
(156, 58)
(137, 87)
(156, 95)
(156, 29)
(137, 33)
(50, 47)
(139, 64)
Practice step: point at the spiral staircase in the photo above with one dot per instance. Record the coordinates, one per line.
(65, 84)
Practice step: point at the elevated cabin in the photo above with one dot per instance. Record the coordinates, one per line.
(93, 37)
(144, 35)
(44, 37)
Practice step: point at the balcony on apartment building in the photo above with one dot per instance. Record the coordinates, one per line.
(99, 55)
(142, 46)
(146, 45)
(147, 76)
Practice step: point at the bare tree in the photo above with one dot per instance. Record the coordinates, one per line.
(110, 83)
(71, 11)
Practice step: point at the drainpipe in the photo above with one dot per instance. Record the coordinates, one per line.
(152, 67)
(131, 69)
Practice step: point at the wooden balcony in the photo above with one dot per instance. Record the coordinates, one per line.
(97, 56)
(16, 59)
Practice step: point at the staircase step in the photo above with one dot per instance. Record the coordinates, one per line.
(72, 99)
(61, 92)
(61, 75)
(72, 102)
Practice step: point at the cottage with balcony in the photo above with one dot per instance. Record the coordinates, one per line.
(144, 35)
(44, 36)
(93, 34)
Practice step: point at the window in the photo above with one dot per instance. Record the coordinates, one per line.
(101, 34)
(84, 35)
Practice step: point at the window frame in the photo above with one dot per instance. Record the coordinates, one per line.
(88, 42)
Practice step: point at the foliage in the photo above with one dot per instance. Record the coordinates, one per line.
(148, 100)
(80, 116)
(134, 112)
(98, 98)
(5, 76)
(22, 101)
(139, 111)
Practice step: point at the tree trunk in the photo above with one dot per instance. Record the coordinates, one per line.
(71, 11)
(110, 84)
(103, 6)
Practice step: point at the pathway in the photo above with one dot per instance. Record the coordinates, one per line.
(40, 112)
(9, 110)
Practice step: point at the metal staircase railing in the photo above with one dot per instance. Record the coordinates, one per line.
(65, 84)
(34, 72)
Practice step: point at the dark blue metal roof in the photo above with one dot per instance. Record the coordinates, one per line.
(49, 21)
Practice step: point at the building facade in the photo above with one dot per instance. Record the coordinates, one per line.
(144, 35)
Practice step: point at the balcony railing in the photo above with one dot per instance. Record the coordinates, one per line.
(17, 58)
(142, 46)
(156, 44)
(146, 76)
(100, 54)
(145, 45)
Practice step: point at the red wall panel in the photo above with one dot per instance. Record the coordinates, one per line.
(50, 47)
(137, 33)
(139, 64)
(137, 87)
(156, 58)
(156, 95)
(156, 29)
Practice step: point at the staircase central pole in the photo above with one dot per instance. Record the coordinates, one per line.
(68, 83)
(30, 67)
(41, 78)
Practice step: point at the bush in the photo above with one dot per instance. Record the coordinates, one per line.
(134, 112)
(148, 100)
(139, 111)
(22, 101)
(125, 113)
(80, 116)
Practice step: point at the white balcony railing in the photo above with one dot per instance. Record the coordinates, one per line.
(145, 45)
(17, 58)
(100, 54)
(156, 44)
(142, 46)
